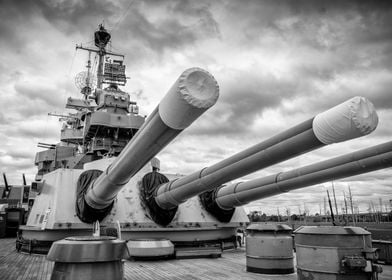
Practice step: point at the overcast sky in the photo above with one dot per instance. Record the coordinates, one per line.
(277, 63)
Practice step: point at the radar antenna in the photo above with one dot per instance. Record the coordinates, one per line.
(85, 82)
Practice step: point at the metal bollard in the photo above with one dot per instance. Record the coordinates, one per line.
(88, 258)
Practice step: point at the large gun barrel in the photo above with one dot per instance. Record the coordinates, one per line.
(363, 161)
(193, 93)
(353, 118)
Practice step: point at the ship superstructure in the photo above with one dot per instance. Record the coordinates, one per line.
(104, 119)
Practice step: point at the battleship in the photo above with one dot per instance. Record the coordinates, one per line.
(102, 184)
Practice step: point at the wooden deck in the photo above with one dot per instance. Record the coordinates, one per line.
(17, 266)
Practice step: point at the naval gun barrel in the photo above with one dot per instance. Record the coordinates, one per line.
(192, 94)
(359, 162)
(351, 119)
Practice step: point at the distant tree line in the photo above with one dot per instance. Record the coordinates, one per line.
(378, 217)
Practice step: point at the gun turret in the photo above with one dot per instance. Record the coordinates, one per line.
(363, 161)
(353, 118)
(101, 169)
(192, 94)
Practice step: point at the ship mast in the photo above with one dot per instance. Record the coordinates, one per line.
(101, 39)
(87, 89)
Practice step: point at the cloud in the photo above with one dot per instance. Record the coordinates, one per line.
(242, 103)
(277, 65)
(46, 93)
(63, 15)
(158, 29)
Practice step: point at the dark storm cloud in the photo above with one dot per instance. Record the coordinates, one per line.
(245, 95)
(333, 38)
(184, 24)
(167, 33)
(374, 16)
(378, 92)
(360, 39)
(82, 16)
(67, 16)
(200, 10)
(71, 16)
(248, 99)
(12, 14)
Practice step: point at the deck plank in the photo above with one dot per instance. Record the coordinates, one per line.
(232, 265)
